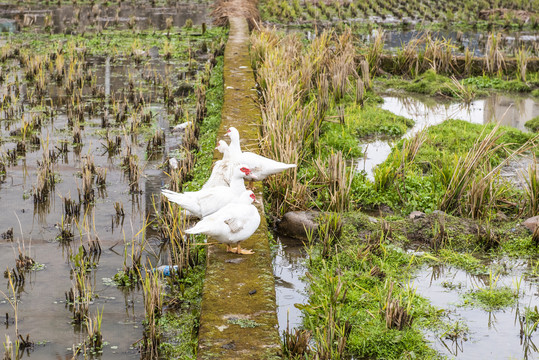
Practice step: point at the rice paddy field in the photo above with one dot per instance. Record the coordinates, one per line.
(414, 127)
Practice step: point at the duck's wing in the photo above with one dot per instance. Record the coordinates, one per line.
(235, 225)
(242, 217)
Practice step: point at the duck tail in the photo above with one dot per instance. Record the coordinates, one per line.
(184, 200)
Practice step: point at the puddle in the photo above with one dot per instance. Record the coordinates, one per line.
(80, 17)
(513, 111)
(288, 269)
(492, 335)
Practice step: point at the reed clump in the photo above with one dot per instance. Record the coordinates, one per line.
(297, 85)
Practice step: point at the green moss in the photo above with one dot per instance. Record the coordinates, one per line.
(533, 124)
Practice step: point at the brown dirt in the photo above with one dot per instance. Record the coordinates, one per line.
(521, 15)
(225, 9)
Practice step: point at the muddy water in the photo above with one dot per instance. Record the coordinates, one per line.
(513, 111)
(289, 268)
(489, 335)
(80, 17)
(42, 312)
(474, 41)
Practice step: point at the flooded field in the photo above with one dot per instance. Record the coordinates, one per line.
(80, 18)
(85, 146)
(506, 333)
(508, 110)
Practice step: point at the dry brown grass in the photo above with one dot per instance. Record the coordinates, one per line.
(298, 83)
(224, 9)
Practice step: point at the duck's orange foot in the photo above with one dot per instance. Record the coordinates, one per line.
(239, 250)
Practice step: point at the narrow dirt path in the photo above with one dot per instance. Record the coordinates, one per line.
(238, 317)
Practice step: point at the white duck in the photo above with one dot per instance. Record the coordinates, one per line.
(261, 167)
(207, 201)
(232, 224)
(220, 175)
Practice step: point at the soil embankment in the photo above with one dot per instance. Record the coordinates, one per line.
(238, 318)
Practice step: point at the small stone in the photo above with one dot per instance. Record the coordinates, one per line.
(416, 215)
(438, 212)
(373, 220)
(230, 346)
(531, 223)
(500, 216)
(234, 261)
(297, 224)
(252, 292)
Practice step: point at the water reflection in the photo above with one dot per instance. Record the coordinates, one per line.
(288, 269)
(513, 111)
(474, 41)
(476, 333)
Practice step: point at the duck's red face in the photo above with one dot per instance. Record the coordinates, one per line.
(253, 196)
(245, 170)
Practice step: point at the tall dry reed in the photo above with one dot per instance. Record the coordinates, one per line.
(298, 84)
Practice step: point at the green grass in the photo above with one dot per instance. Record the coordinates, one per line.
(120, 43)
(180, 327)
(533, 124)
(490, 299)
(365, 297)
(456, 137)
(208, 130)
(496, 83)
(433, 84)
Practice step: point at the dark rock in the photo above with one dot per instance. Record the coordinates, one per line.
(234, 261)
(500, 216)
(154, 52)
(373, 220)
(296, 224)
(184, 89)
(230, 346)
(531, 223)
(416, 215)
(252, 292)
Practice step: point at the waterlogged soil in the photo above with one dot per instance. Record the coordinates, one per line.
(495, 334)
(80, 18)
(289, 269)
(474, 41)
(509, 110)
(36, 226)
